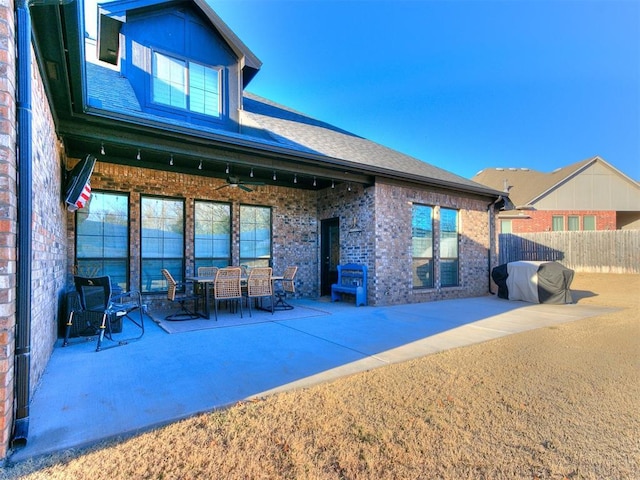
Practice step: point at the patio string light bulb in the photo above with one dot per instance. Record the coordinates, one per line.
(171, 160)
(295, 178)
(274, 175)
(227, 169)
(314, 181)
(333, 185)
(200, 165)
(139, 155)
(251, 173)
(102, 148)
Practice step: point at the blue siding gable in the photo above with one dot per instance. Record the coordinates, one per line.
(181, 33)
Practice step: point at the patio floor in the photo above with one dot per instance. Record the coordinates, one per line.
(85, 396)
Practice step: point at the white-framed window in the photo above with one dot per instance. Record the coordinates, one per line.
(573, 223)
(589, 222)
(557, 223)
(506, 226)
(186, 85)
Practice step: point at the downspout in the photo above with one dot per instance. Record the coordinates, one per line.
(25, 206)
(491, 235)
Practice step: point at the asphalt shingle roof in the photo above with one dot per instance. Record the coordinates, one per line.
(524, 185)
(269, 124)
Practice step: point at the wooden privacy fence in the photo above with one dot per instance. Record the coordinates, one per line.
(614, 251)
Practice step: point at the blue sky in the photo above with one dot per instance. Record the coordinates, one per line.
(463, 85)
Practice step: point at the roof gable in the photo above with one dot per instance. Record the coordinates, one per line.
(530, 188)
(111, 16)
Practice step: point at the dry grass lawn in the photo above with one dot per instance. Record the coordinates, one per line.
(555, 403)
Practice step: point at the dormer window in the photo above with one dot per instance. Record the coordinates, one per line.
(186, 85)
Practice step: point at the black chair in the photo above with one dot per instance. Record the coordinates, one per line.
(183, 312)
(287, 286)
(99, 308)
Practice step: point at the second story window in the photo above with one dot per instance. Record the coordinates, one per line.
(186, 85)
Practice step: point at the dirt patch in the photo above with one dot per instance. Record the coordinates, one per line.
(558, 402)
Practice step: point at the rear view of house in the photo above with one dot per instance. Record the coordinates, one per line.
(193, 170)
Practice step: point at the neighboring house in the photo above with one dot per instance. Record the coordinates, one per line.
(587, 195)
(194, 170)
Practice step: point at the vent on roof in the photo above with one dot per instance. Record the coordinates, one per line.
(499, 169)
(525, 169)
(513, 169)
(557, 170)
(479, 172)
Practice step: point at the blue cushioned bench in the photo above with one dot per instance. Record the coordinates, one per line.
(352, 279)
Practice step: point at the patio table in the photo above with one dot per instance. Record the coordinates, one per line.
(209, 281)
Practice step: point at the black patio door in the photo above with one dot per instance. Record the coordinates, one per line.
(330, 253)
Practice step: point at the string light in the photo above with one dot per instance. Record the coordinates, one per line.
(139, 155)
(314, 181)
(251, 173)
(102, 148)
(171, 160)
(349, 187)
(200, 166)
(333, 185)
(227, 170)
(295, 178)
(274, 175)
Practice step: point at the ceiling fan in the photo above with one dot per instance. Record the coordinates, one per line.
(235, 182)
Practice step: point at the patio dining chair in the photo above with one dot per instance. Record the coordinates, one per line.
(103, 311)
(259, 286)
(204, 272)
(227, 287)
(287, 286)
(174, 296)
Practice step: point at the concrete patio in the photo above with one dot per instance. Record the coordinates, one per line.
(86, 397)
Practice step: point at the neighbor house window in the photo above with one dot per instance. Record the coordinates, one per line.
(186, 85)
(573, 223)
(255, 236)
(212, 234)
(102, 238)
(448, 247)
(557, 223)
(162, 241)
(505, 226)
(589, 222)
(422, 246)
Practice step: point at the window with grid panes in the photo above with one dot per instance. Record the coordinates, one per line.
(422, 246)
(102, 238)
(255, 236)
(448, 247)
(162, 241)
(212, 242)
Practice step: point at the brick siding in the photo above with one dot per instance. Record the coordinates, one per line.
(542, 220)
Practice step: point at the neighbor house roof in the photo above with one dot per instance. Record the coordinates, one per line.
(525, 185)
